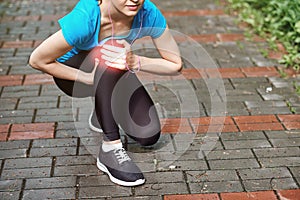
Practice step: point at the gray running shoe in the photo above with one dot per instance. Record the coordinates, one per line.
(93, 123)
(120, 168)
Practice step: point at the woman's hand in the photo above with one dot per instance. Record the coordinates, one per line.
(119, 56)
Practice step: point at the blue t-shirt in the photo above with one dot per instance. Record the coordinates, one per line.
(82, 25)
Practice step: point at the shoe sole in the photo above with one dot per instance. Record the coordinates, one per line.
(118, 181)
(92, 127)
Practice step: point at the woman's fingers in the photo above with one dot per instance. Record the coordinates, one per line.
(125, 44)
(114, 60)
(112, 54)
(115, 56)
(116, 65)
(114, 48)
(96, 62)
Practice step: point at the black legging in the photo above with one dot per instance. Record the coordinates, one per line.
(120, 98)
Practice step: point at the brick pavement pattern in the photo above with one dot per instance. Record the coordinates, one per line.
(231, 124)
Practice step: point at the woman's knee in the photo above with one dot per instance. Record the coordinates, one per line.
(150, 140)
(146, 137)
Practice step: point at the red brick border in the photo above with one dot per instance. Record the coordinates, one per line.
(270, 195)
(199, 125)
(11, 80)
(193, 13)
(192, 197)
(289, 194)
(192, 73)
(292, 194)
(29, 131)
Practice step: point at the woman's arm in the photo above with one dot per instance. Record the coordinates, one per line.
(44, 58)
(170, 63)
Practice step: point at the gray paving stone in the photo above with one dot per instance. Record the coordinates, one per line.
(22, 163)
(53, 182)
(184, 165)
(75, 160)
(216, 187)
(39, 99)
(46, 143)
(8, 103)
(88, 150)
(190, 4)
(57, 193)
(25, 52)
(198, 144)
(6, 52)
(229, 154)
(10, 185)
(155, 189)
(13, 153)
(295, 171)
(265, 104)
(233, 164)
(95, 181)
(90, 141)
(277, 152)
(164, 177)
(246, 144)
(249, 82)
(232, 108)
(272, 97)
(22, 69)
(26, 173)
(77, 170)
(269, 111)
(47, 152)
(16, 120)
(243, 136)
(9, 195)
(270, 184)
(16, 116)
(264, 173)
(211, 176)
(280, 161)
(105, 191)
(66, 126)
(286, 142)
(56, 111)
(51, 90)
(54, 118)
(261, 61)
(14, 60)
(20, 91)
(141, 198)
(71, 133)
(14, 144)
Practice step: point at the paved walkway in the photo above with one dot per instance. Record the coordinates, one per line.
(48, 152)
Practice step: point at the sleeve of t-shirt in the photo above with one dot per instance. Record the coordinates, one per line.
(156, 20)
(74, 27)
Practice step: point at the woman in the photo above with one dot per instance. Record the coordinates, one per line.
(85, 59)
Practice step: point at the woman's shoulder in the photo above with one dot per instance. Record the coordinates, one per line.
(149, 6)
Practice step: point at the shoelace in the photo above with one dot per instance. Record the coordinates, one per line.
(121, 155)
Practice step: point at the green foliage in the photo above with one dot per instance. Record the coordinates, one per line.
(297, 87)
(275, 20)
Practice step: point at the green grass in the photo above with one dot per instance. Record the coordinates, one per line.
(274, 20)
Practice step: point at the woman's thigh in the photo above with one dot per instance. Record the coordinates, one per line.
(82, 62)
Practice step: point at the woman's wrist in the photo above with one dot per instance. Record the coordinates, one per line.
(84, 77)
(136, 66)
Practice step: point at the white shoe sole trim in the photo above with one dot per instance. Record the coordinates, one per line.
(117, 181)
(92, 127)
